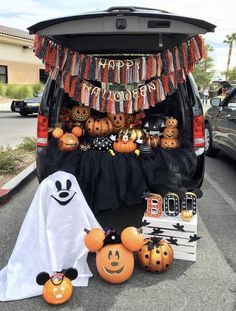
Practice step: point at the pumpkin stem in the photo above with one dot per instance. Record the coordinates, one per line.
(86, 230)
(140, 230)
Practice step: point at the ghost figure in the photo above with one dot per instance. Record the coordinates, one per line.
(51, 238)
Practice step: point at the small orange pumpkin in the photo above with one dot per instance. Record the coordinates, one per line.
(171, 122)
(94, 239)
(170, 143)
(57, 288)
(156, 255)
(132, 238)
(171, 132)
(77, 131)
(80, 113)
(99, 127)
(68, 142)
(117, 120)
(57, 132)
(124, 146)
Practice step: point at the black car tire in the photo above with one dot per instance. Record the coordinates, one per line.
(23, 113)
(210, 151)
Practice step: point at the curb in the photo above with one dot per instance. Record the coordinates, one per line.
(9, 188)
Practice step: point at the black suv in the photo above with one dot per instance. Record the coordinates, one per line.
(220, 125)
(123, 32)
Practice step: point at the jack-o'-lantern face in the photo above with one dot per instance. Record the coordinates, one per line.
(171, 132)
(115, 263)
(80, 113)
(68, 142)
(57, 288)
(169, 143)
(117, 120)
(171, 122)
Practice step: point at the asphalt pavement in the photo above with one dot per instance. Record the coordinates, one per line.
(208, 284)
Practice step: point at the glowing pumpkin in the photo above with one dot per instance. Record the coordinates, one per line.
(68, 142)
(171, 132)
(57, 288)
(169, 143)
(156, 255)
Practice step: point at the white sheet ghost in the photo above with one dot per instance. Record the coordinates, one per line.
(51, 238)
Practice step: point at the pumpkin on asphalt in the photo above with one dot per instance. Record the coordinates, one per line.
(156, 255)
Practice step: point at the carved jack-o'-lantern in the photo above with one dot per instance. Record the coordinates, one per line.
(171, 122)
(124, 146)
(57, 288)
(117, 120)
(99, 126)
(132, 133)
(80, 113)
(169, 143)
(114, 259)
(156, 255)
(68, 142)
(171, 132)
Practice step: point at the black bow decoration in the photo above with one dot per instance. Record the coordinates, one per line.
(156, 231)
(179, 227)
(154, 242)
(145, 223)
(194, 238)
(111, 237)
(172, 241)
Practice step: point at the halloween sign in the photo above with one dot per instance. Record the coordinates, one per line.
(114, 257)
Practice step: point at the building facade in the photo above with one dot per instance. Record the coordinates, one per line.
(18, 64)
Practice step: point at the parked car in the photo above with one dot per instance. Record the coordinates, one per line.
(122, 31)
(27, 106)
(220, 125)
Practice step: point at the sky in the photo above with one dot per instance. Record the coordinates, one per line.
(24, 13)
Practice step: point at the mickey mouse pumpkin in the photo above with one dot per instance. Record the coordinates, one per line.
(114, 258)
(67, 141)
(57, 288)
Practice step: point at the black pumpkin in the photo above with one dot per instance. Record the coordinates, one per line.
(154, 124)
(102, 143)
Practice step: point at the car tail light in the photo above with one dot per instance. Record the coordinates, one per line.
(42, 131)
(198, 131)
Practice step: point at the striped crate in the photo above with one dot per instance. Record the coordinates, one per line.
(175, 231)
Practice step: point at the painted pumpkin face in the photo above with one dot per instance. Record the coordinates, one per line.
(80, 113)
(171, 122)
(117, 120)
(124, 146)
(169, 143)
(171, 132)
(68, 142)
(115, 263)
(155, 257)
(57, 288)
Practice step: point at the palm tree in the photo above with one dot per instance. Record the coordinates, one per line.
(230, 39)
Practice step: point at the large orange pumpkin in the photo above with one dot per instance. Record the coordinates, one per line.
(124, 146)
(68, 142)
(99, 127)
(117, 120)
(156, 255)
(115, 264)
(57, 288)
(80, 113)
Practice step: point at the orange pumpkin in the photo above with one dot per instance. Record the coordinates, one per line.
(124, 146)
(117, 120)
(171, 132)
(171, 122)
(115, 264)
(132, 238)
(132, 133)
(94, 239)
(99, 127)
(156, 255)
(57, 132)
(169, 143)
(57, 288)
(77, 131)
(152, 140)
(68, 142)
(80, 113)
